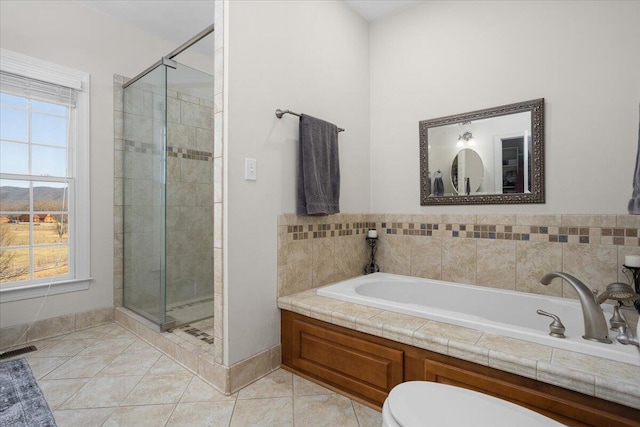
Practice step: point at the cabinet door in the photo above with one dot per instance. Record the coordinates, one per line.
(503, 386)
(358, 366)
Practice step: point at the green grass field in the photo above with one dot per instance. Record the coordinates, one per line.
(48, 261)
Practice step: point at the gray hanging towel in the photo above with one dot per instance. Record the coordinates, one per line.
(438, 186)
(318, 168)
(634, 204)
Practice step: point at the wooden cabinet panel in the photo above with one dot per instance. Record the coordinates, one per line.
(553, 406)
(359, 366)
(367, 368)
(370, 369)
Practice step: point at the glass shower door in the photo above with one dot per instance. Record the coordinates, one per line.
(169, 196)
(145, 126)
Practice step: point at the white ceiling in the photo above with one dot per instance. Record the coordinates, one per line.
(174, 20)
(374, 9)
(179, 20)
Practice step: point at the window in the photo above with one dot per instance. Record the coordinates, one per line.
(44, 179)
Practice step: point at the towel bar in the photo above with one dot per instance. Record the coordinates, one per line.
(280, 113)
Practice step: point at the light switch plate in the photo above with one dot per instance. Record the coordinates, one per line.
(250, 169)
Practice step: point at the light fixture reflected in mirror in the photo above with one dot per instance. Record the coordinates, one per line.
(466, 140)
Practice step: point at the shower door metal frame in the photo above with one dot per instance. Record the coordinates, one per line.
(168, 59)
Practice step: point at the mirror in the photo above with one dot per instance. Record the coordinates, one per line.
(502, 150)
(466, 172)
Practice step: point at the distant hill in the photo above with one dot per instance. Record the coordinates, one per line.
(12, 196)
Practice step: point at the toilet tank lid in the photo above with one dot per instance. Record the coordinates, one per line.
(418, 403)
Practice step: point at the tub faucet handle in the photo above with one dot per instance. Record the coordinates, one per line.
(626, 337)
(556, 328)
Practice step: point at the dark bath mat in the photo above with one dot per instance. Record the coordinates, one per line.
(22, 403)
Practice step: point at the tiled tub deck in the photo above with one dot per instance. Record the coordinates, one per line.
(609, 380)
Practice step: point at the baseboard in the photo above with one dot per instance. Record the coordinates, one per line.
(17, 335)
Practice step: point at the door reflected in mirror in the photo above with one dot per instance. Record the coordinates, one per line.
(515, 165)
(501, 150)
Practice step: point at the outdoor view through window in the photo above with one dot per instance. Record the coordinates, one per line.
(34, 188)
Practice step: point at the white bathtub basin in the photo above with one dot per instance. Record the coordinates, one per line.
(490, 310)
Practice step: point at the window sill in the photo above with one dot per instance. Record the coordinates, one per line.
(17, 293)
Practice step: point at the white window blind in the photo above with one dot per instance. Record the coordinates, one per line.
(36, 89)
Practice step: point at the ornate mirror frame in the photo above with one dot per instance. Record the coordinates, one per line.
(536, 107)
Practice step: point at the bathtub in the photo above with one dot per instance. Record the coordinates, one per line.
(496, 311)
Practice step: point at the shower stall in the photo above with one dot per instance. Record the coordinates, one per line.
(168, 192)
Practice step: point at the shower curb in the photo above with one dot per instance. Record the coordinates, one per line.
(193, 354)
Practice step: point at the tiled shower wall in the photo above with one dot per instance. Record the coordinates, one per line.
(499, 251)
(189, 198)
(189, 195)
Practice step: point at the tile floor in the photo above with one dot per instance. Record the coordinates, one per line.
(186, 313)
(106, 376)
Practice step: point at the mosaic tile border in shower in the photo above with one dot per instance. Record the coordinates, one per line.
(190, 304)
(183, 153)
(195, 332)
(617, 236)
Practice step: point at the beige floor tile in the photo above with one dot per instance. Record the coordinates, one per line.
(276, 412)
(91, 333)
(320, 411)
(120, 332)
(367, 417)
(41, 366)
(106, 346)
(197, 310)
(82, 417)
(166, 366)
(302, 387)
(81, 367)
(130, 364)
(57, 392)
(140, 416)
(200, 391)
(102, 392)
(80, 335)
(157, 389)
(55, 338)
(206, 326)
(48, 341)
(141, 347)
(202, 414)
(64, 348)
(277, 384)
(94, 390)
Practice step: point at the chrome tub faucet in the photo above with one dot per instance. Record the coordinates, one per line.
(595, 324)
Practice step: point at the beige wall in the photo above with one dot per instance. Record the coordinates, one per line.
(434, 59)
(311, 57)
(69, 34)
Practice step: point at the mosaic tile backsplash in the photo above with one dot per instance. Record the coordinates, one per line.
(499, 251)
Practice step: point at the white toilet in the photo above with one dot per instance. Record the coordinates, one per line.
(422, 404)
